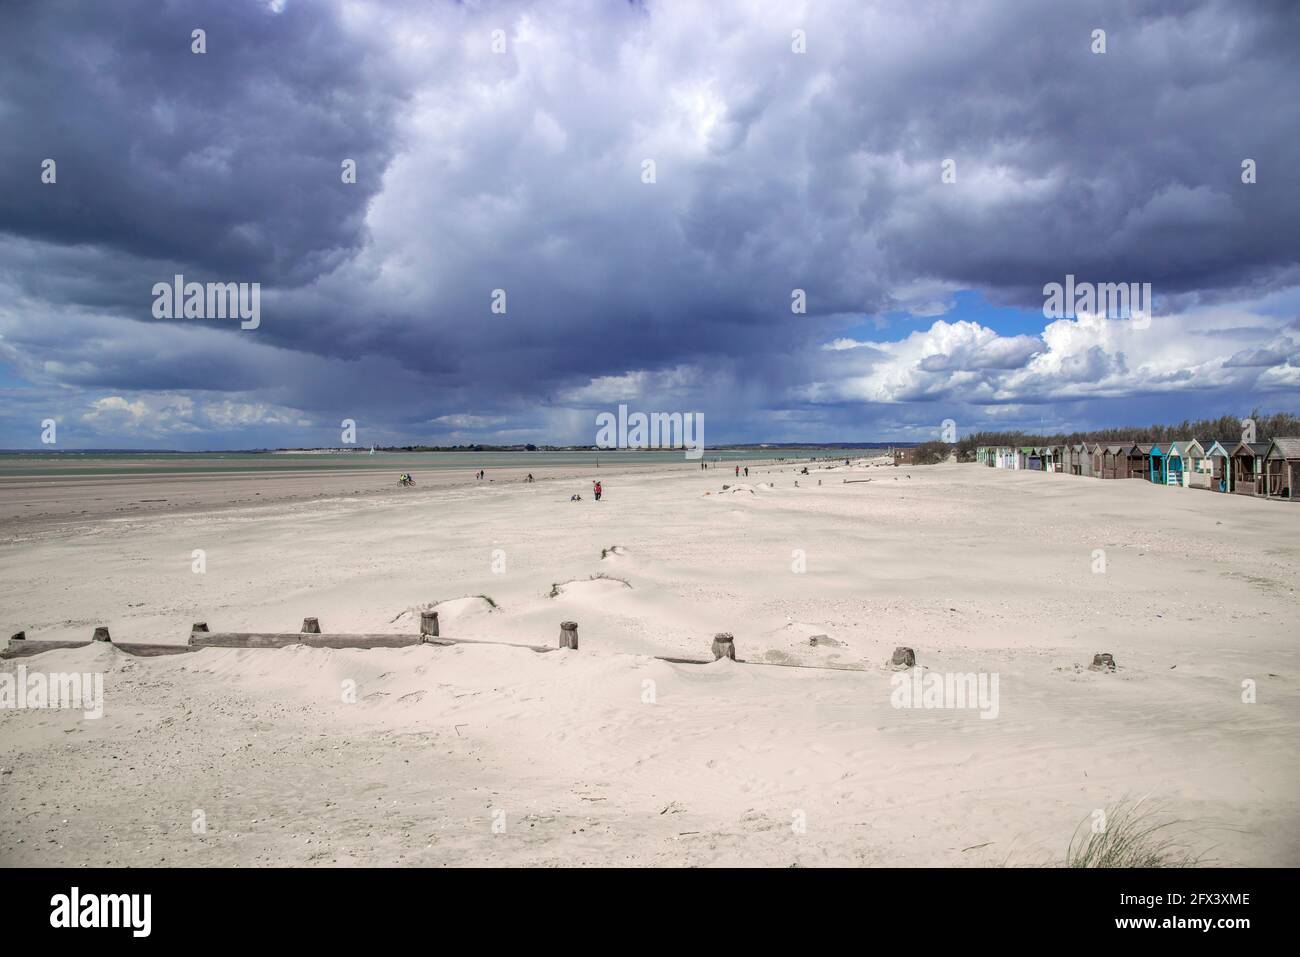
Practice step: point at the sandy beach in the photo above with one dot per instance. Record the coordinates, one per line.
(488, 754)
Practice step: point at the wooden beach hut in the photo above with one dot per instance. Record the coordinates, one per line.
(1053, 458)
(1197, 465)
(1063, 459)
(1177, 463)
(1219, 455)
(1248, 467)
(1156, 458)
(1085, 458)
(1282, 469)
(1097, 452)
(1114, 462)
(1137, 462)
(1107, 462)
(1144, 450)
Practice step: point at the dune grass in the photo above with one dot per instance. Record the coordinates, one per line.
(555, 586)
(1136, 834)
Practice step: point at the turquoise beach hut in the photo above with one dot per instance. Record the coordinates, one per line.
(1158, 472)
(1176, 463)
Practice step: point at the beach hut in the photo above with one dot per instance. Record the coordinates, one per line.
(1060, 456)
(1097, 452)
(1114, 462)
(1219, 455)
(1197, 466)
(1076, 458)
(1177, 463)
(1282, 469)
(1136, 461)
(1156, 457)
(1143, 460)
(1085, 458)
(1248, 467)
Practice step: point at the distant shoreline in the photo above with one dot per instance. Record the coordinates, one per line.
(472, 449)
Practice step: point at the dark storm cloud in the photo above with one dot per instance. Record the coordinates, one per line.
(522, 171)
(226, 161)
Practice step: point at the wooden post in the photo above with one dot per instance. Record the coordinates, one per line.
(903, 658)
(21, 636)
(429, 624)
(310, 626)
(1102, 662)
(198, 626)
(101, 634)
(724, 646)
(569, 635)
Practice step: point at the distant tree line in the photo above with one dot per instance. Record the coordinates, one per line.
(1205, 430)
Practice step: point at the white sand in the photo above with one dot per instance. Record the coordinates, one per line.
(979, 570)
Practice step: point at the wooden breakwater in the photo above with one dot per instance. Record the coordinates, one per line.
(722, 646)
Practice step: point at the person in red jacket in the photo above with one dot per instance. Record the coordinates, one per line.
(596, 490)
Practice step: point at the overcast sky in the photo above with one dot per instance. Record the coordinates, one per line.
(523, 168)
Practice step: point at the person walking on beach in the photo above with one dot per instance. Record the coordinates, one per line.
(596, 490)
(746, 471)
(737, 471)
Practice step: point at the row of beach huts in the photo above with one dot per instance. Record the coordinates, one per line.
(1266, 469)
